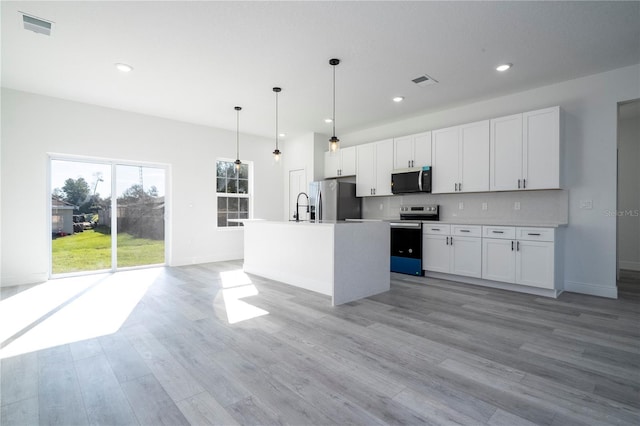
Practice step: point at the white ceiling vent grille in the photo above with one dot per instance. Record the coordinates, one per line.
(424, 80)
(36, 25)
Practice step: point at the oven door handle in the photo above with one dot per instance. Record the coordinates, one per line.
(405, 225)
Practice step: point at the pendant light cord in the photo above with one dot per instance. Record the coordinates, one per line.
(334, 101)
(276, 119)
(237, 133)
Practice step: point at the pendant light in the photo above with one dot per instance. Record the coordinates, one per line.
(334, 141)
(277, 153)
(237, 162)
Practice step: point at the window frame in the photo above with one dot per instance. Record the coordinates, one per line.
(248, 195)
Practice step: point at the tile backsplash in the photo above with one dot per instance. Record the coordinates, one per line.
(526, 207)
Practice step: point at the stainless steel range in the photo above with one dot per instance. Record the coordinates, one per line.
(406, 238)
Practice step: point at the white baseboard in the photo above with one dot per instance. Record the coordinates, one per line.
(15, 280)
(554, 293)
(591, 289)
(630, 265)
(203, 259)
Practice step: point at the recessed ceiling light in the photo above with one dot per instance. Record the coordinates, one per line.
(282, 135)
(328, 120)
(398, 99)
(503, 67)
(124, 67)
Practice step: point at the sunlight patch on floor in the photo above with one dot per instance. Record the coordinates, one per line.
(101, 310)
(237, 285)
(26, 307)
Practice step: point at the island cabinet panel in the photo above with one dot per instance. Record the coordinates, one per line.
(346, 261)
(374, 166)
(412, 151)
(461, 158)
(525, 151)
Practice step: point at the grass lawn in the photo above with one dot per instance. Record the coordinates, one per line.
(91, 250)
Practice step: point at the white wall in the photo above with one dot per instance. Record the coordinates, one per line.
(589, 114)
(303, 153)
(34, 125)
(629, 193)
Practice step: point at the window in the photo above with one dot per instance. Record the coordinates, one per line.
(232, 192)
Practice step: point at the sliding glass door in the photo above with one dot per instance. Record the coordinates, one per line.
(93, 231)
(140, 206)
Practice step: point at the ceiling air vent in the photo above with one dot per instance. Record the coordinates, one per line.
(36, 25)
(424, 80)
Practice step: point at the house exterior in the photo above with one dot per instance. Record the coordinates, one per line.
(61, 217)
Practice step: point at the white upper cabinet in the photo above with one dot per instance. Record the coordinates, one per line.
(446, 152)
(474, 157)
(525, 151)
(541, 148)
(340, 163)
(365, 169)
(374, 166)
(461, 158)
(412, 151)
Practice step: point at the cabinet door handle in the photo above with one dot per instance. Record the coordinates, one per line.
(459, 186)
(498, 232)
(536, 234)
(455, 187)
(511, 245)
(435, 229)
(447, 240)
(524, 183)
(451, 240)
(518, 246)
(518, 183)
(466, 230)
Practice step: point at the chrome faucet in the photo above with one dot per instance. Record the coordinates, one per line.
(297, 215)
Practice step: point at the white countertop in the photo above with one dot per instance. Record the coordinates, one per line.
(487, 222)
(490, 222)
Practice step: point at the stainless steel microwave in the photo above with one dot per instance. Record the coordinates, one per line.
(405, 181)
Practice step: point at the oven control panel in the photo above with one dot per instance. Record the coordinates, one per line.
(422, 212)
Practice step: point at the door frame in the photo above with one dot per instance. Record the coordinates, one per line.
(113, 163)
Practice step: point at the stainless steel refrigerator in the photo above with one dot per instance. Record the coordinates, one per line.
(332, 200)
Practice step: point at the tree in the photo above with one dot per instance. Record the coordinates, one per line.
(76, 191)
(137, 193)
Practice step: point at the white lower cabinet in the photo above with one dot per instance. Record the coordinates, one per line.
(523, 256)
(466, 256)
(435, 253)
(498, 260)
(452, 249)
(535, 263)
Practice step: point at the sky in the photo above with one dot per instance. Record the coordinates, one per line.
(127, 176)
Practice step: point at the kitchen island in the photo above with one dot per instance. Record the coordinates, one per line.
(344, 260)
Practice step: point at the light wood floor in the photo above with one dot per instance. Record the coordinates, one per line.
(435, 353)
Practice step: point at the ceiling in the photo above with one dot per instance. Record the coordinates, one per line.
(195, 61)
